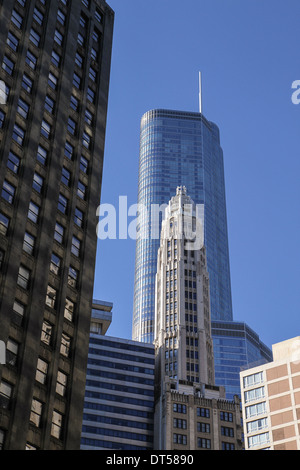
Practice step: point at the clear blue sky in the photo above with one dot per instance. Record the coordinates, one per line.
(248, 53)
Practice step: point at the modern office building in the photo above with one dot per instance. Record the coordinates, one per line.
(119, 399)
(189, 408)
(271, 400)
(235, 346)
(55, 66)
(179, 148)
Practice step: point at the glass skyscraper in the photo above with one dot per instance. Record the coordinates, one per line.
(180, 148)
(236, 346)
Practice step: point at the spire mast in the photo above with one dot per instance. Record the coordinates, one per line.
(200, 93)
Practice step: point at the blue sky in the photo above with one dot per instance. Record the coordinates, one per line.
(248, 53)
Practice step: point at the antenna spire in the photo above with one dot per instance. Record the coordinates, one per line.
(200, 93)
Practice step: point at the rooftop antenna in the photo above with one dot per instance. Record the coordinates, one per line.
(200, 93)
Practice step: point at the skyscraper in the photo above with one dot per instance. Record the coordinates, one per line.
(180, 148)
(119, 399)
(186, 396)
(182, 320)
(55, 58)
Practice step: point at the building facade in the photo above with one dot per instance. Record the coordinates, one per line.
(119, 399)
(236, 346)
(271, 400)
(55, 67)
(201, 420)
(179, 148)
(188, 405)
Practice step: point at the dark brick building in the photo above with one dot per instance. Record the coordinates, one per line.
(54, 65)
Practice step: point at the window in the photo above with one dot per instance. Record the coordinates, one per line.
(69, 150)
(179, 423)
(27, 83)
(31, 60)
(46, 332)
(179, 408)
(80, 39)
(8, 65)
(4, 224)
(83, 21)
(88, 117)
(52, 81)
(61, 383)
(90, 95)
(34, 37)
(33, 212)
(203, 427)
(72, 277)
(96, 35)
(16, 19)
(253, 379)
(6, 390)
(12, 41)
(18, 134)
(98, 15)
(92, 74)
(228, 432)
(179, 439)
(49, 104)
(13, 162)
(2, 118)
(75, 248)
(37, 183)
(76, 81)
(28, 243)
(58, 37)
(78, 60)
(55, 59)
(69, 309)
(51, 297)
(225, 416)
(38, 16)
(1, 258)
(61, 17)
(71, 126)
(23, 277)
(36, 412)
(55, 264)
(254, 394)
(203, 443)
(78, 218)
(45, 129)
(41, 155)
(81, 189)
(86, 140)
(41, 371)
(74, 103)
(19, 312)
(65, 177)
(4, 92)
(8, 192)
(58, 233)
(227, 446)
(65, 345)
(57, 423)
(12, 348)
(62, 204)
(23, 108)
(86, 3)
(94, 54)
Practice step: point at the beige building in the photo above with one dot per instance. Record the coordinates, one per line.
(190, 411)
(271, 400)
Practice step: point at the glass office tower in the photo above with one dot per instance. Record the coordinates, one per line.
(180, 148)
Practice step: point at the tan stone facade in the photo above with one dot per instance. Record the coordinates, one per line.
(271, 400)
(191, 421)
